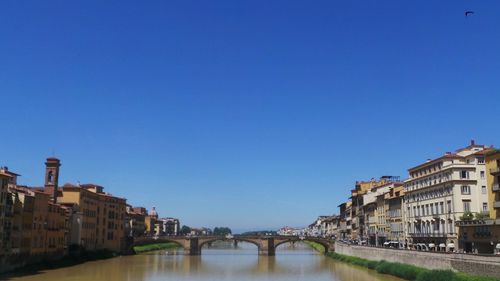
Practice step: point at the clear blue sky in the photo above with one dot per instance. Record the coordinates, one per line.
(250, 114)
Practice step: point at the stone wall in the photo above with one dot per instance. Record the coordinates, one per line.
(470, 264)
(16, 261)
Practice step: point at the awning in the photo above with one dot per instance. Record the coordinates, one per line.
(432, 245)
(451, 245)
(498, 246)
(442, 245)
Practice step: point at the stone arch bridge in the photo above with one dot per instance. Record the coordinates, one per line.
(266, 244)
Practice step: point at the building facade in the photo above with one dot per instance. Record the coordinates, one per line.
(394, 213)
(439, 192)
(481, 233)
(4, 212)
(102, 217)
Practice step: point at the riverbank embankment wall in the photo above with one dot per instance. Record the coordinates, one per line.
(470, 264)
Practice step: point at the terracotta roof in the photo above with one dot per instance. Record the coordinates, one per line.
(10, 173)
(5, 175)
(90, 185)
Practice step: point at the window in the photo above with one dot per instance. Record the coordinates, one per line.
(464, 174)
(480, 160)
(441, 206)
(50, 177)
(483, 189)
(465, 189)
(466, 205)
(485, 207)
(448, 206)
(482, 175)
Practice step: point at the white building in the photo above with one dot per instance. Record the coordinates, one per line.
(290, 231)
(439, 191)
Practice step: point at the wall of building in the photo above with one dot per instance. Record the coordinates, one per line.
(470, 264)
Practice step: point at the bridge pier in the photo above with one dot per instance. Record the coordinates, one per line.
(193, 247)
(267, 247)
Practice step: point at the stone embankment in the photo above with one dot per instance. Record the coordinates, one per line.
(466, 263)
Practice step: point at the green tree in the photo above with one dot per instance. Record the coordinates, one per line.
(482, 216)
(222, 231)
(467, 216)
(185, 229)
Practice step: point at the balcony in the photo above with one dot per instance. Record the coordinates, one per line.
(428, 234)
(495, 171)
(496, 187)
(496, 205)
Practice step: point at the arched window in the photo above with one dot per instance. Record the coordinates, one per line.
(50, 177)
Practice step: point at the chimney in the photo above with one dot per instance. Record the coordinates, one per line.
(472, 142)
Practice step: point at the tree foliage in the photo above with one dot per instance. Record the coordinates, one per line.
(467, 216)
(222, 231)
(482, 216)
(185, 229)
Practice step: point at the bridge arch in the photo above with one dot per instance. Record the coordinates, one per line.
(251, 241)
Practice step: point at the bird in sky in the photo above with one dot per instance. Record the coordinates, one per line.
(468, 13)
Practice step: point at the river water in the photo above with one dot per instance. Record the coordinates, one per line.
(222, 261)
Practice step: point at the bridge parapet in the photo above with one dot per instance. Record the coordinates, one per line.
(266, 245)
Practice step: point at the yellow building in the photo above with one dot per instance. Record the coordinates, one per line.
(357, 217)
(482, 234)
(56, 229)
(102, 217)
(39, 232)
(4, 233)
(27, 199)
(493, 181)
(375, 211)
(151, 222)
(394, 213)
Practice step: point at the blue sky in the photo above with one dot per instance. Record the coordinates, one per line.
(250, 114)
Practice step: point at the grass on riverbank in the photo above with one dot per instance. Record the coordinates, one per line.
(315, 246)
(409, 272)
(155, 247)
(404, 271)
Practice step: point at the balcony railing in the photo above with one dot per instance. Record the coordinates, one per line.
(496, 187)
(495, 171)
(496, 205)
(428, 234)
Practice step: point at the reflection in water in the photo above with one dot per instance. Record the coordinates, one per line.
(218, 262)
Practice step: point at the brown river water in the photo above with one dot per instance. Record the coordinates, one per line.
(222, 261)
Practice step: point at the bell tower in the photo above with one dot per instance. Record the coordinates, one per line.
(52, 177)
